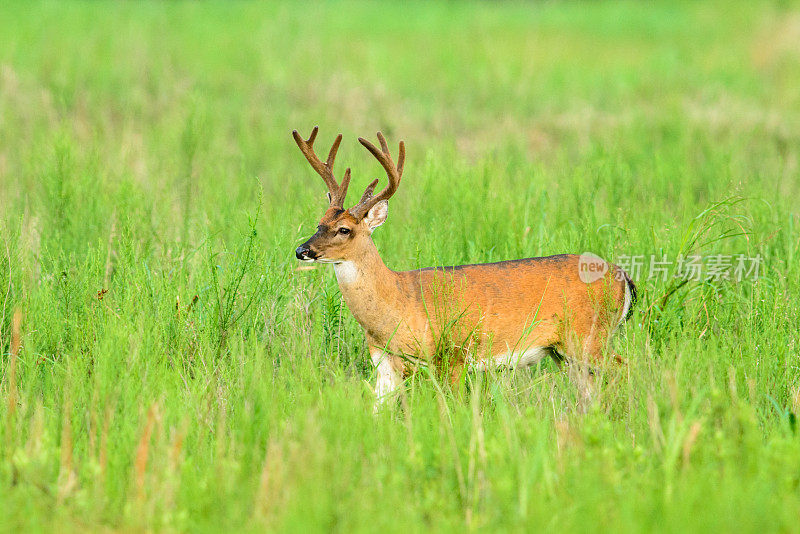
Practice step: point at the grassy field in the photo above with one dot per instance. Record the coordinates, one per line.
(165, 366)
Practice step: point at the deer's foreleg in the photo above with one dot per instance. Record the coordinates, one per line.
(389, 376)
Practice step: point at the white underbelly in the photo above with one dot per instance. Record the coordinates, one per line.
(513, 359)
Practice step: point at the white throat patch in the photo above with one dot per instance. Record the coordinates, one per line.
(346, 272)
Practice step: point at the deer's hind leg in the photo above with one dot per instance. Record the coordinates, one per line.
(582, 349)
(581, 374)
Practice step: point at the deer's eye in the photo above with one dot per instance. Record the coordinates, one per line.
(344, 230)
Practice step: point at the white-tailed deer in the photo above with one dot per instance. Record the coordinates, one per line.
(510, 313)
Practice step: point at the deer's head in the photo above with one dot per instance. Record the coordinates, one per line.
(341, 233)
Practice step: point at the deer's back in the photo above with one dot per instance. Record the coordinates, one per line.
(526, 302)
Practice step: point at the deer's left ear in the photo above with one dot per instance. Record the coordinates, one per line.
(377, 215)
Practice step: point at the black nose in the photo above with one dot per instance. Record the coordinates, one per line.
(304, 252)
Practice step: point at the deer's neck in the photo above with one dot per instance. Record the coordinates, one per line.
(371, 292)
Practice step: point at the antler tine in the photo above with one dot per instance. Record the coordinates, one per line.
(313, 135)
(368, 191)
(336, 191)
(384, 145)
(345, 182)
(401, 158)
(393, 172)
(332, 153)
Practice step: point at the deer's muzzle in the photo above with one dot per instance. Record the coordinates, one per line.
(305, 253)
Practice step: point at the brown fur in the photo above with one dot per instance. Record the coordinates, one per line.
(484, 309)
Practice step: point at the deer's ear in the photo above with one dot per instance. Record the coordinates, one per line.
(377, 215)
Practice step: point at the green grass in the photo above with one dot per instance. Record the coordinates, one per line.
(145, 151)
